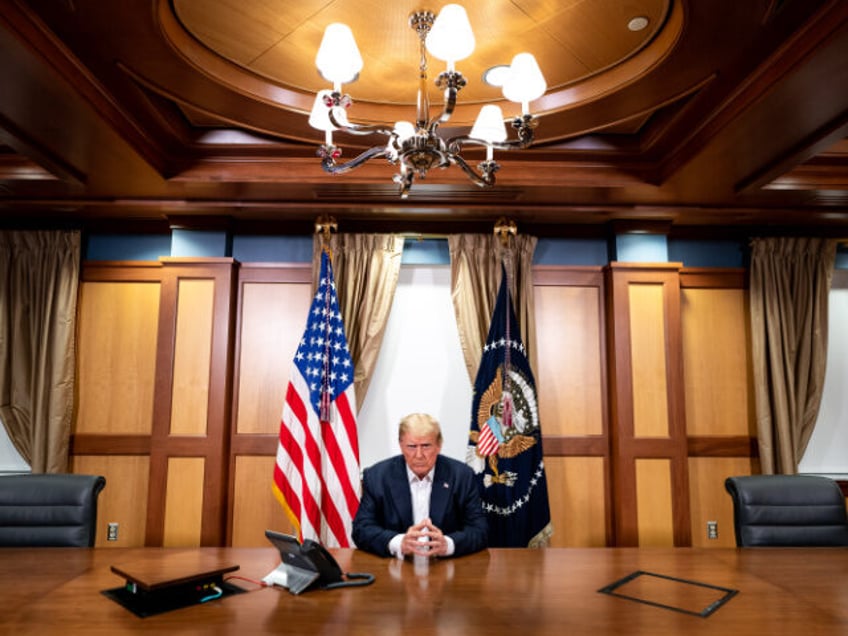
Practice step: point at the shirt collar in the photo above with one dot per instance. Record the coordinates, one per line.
(412, 477)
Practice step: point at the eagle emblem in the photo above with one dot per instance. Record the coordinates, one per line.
(507, 423)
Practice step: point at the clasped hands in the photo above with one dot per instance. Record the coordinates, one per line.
(424, 539)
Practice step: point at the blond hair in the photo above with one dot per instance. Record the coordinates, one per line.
(420, 424)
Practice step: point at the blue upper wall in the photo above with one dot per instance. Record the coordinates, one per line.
(639, 248)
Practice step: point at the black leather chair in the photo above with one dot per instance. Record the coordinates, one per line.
(788, 510)
(49, 509)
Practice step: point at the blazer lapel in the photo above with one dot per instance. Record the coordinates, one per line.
(399, 485)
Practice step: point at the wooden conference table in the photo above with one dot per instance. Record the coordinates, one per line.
(499, 591)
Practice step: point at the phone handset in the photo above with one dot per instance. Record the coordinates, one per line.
(330, 575)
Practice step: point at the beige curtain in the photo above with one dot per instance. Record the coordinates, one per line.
(39, 277)
(366, 268)
(475, 276)
(789, 286)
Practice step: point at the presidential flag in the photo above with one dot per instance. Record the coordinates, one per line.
(505, 441)
(316, 477)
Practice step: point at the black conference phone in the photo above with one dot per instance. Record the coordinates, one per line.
(308, 565)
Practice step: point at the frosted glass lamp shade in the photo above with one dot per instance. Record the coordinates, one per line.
(451, 39)
(489, 125)
(338, 59)
(525, 81)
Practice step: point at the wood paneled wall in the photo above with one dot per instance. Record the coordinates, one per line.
(572, 387)
(273, 303)
(719, 397)
(649, 427)
(643, 380)
(154, 394)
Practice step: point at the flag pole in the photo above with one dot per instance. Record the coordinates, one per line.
(506, 229)
(326, 225)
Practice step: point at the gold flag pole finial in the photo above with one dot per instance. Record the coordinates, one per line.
(504, 228)
(326, 225)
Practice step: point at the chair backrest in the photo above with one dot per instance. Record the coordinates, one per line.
(49, 509)
(788, 510)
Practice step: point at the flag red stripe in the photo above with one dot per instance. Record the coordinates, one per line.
(280, 479)
(302, 494)
(313, 456)
(328, 505)
(349, 423)
(284, 490)
(305, 497)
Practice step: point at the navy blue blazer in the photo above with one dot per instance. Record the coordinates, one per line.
(386, 506)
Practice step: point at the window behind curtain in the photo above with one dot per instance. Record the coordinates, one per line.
(420, 368)
(10, 459)
(827, 450)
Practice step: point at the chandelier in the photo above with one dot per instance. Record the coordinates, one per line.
(417, 147)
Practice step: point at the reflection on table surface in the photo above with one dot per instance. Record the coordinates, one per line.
(498, 591)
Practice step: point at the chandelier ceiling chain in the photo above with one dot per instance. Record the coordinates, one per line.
(416, 148)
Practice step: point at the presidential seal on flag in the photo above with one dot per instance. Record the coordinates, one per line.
(507, 425)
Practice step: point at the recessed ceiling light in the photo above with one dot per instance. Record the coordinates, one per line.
(638, 23)
(496, 76)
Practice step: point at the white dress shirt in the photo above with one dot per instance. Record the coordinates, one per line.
(419, 489)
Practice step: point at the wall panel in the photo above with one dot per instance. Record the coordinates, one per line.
(648, 421)
(577, 493)
(716, 362)
(184, 502)
(155, 342)
(116, 356)
(123, 500)
(272, 305)
(710, 500)
(272, 319)
(192, 355)
(719, 395)
(570, 365)
(654, 503)
(648, 360)
(571, 382)
(255, 509)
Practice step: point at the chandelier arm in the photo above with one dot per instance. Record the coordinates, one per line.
(329, 164)
(524, 127)
(486, 179)
(357, 129)
(455, 144)
(404, 179)
(515, 144)
(447, 111)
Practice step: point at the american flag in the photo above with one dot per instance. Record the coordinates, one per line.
(316, 477)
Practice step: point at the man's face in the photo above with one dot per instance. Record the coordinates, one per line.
(420, 452)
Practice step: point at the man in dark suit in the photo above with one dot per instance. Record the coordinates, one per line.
(420, 502)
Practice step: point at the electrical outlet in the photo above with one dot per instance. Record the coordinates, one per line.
(712, 529)
(112, 532)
